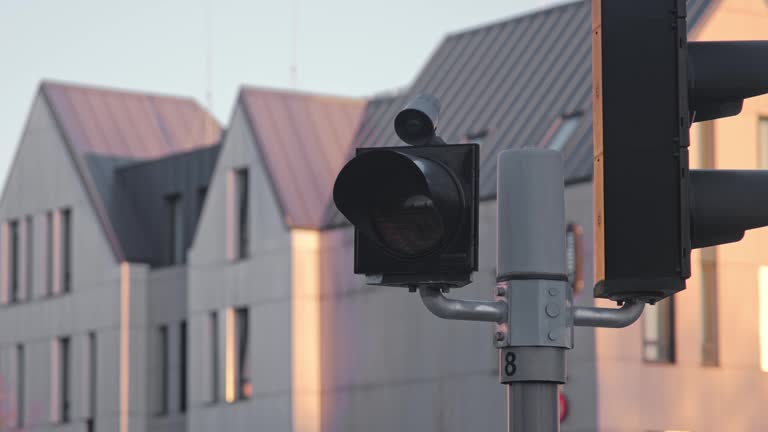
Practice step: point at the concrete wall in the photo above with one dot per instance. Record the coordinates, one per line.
(43, 178)
(167, 306)
(262, 283)
(687, 395)
(388, 364)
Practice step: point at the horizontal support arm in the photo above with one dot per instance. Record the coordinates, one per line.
(605, 317)
(470, 310)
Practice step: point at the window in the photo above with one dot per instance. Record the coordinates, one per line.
(706, 144)
(175, 229)
(29, 241)
(20, 382)
(574, 257)
(709, 334)
(65, 391)
(238, 376)
(242, 213)
(566, 125)
(66, 250)
(202, 192)
(92, 380)
(762, 143)
(659, 332)
(183, 366)
(763, 315)
(243, 356)
(13, 259)
(480, 137)
(213, 328)
(163, 369)
(49, 255)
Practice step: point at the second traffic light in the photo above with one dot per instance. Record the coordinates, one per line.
(414, 208)
(650, 84)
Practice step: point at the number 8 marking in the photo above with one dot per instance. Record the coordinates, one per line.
(509, 364)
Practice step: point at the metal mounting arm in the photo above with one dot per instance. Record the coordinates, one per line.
(606, 317)
(470, 310)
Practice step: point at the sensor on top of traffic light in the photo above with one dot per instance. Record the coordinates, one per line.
(650, 84)
(414, 208)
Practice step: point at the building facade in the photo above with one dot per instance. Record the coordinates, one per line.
(159, 274)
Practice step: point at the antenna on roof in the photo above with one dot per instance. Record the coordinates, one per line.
(209, 57)
(294, 42)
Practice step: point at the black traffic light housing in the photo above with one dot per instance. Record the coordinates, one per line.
(415, 212)
(650, 84)
(415, 209)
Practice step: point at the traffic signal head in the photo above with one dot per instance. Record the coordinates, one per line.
(415, 213)
(650, 84)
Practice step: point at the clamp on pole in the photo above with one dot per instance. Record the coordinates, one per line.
(470, 310)
(606, 317)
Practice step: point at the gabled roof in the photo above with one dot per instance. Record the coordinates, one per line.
(107, 128)
(509, 84)
(303, 139)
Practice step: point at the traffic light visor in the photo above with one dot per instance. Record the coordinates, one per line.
(408, 204)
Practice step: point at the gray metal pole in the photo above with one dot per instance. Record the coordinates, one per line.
(531, 273)
(533, 406)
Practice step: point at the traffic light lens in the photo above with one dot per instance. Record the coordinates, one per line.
(413, 227)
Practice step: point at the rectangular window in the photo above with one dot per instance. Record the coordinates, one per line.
(29, 270)
(92, 380)
(709, 333)
(163, 369)
(763, 315)
(13, 259)
(238, 376)
(706, 145)
(183, 366)
(202, 192)
(762, 143)
(65, 380)
(175, 229)
(49, 256)
(560, 136)
(659, 332)
(241, 183)
(213, 328)
(66, 250)
(243, 355)
(20, 382)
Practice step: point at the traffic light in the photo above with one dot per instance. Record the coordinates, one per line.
(650, 84)
(414, 208)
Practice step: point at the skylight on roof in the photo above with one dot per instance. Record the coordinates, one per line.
(564, 131)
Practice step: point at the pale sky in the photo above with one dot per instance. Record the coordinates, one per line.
(345, 47)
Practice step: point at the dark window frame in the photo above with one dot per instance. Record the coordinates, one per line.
(213, 323)
(66, 250)
(49, 276)
(242, 218)
(183, 366)
(164, 379)
(20, 385)
(13, 261)
(242, 354)
(93, 373)
(710, 343)
(176, 253)
(65, 380)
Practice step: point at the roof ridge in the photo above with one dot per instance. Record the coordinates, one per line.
(524, 15)
(138, 162)
(300, 93)
(47, 82)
